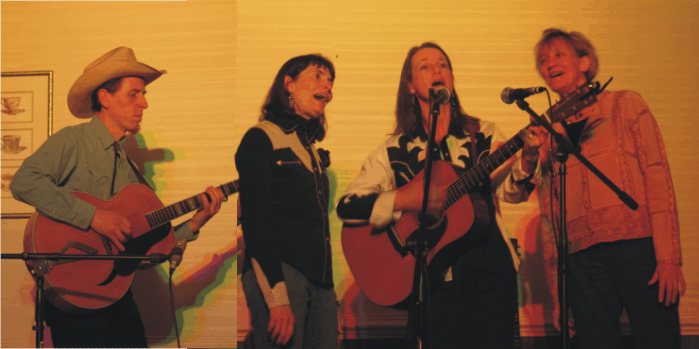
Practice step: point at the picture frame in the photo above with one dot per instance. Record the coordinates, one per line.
(26, 122)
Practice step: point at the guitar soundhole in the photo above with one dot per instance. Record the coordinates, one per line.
(433, 235)
(403, 250)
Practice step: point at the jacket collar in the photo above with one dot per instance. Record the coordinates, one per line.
(293, 122)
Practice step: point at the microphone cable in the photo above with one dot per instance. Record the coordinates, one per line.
(172, 307)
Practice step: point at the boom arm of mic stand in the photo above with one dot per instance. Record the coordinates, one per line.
(565, 145)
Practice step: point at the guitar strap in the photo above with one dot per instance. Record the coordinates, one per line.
(138, 173)
(116, 147)
(118, 150)
(472, 129)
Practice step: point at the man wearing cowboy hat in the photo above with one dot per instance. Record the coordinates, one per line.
(88, 158)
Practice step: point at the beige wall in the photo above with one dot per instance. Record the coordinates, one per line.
(646, 46)
(222, 56)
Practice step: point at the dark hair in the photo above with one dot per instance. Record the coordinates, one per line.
(408, 113)
(111, 86)
(277, 100)
(580, 44)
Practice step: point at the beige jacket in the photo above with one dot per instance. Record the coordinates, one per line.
(622, 139)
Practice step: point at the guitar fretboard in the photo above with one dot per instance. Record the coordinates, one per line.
(476, 176)
(166, 214)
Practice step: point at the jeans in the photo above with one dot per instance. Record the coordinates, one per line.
(314, 308)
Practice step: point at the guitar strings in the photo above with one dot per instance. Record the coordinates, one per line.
(472, 178)
(163, 215)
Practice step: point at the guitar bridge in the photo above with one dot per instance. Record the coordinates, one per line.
(74, 245)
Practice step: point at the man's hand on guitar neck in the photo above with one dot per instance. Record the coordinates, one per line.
(211, 201)
(112, 225)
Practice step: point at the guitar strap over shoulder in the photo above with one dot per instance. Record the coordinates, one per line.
(472, 129)
(138, 173)
(118, 152)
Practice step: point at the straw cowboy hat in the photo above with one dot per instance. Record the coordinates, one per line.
(119, 62)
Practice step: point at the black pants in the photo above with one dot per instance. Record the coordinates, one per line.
(476, 309)
(119, 325)
(608, 277)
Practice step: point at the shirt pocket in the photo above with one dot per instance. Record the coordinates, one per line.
(98, 176)
(286, 161)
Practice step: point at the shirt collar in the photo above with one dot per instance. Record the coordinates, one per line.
(100, 131)
(293, 122)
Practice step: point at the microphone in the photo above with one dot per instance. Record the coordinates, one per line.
(510, 95)
(440, 94)
(176, 254)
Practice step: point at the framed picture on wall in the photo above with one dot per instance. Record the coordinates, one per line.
(27, 121)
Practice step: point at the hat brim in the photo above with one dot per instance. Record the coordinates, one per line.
(80, 94)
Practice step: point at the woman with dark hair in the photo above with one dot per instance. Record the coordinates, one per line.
(473, 302)
(287, 272)
(619, 258)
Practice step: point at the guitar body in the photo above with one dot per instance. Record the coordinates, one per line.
(383, 268)
(382, 265)
(95, 284)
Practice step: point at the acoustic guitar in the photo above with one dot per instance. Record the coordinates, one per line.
(382, 262)
(75, 285)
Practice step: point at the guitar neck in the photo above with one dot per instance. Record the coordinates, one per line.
(166, 214)
(476, 176)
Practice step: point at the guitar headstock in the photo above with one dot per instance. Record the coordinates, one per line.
(580, 99)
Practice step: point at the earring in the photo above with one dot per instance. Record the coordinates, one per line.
(291, 102)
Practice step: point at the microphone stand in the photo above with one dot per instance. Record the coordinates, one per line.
(565, 148)
(419, 335)
(41, 266)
